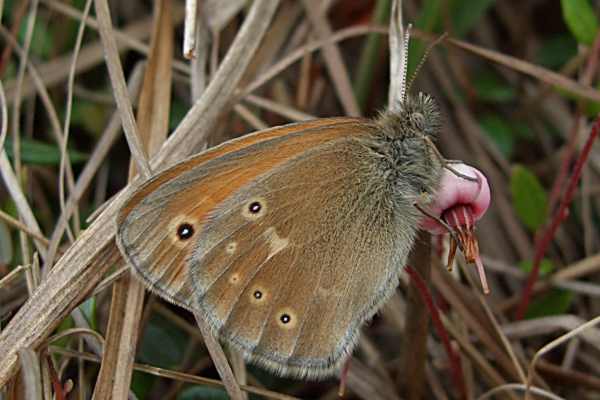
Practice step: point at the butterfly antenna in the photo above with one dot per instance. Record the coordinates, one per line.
(404, 70)
(424, 58)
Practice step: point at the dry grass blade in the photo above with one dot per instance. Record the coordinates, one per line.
(14, 188)
(4, 118)
(176, 375)
(65, 161)
(85, 262)
(518, 387)
(299, 53)
(484, 367)
(22, 227)
(219, 13)
(398, 56)
(56, 70)
(12, 275)
(549, 325)
(333, 57)
(109, 136)
(456, 297)
(367, 384)
(255, 122)
(31, 373)
(96, 337)
(190, 27)
(502, 337)
(281, 109)
(115, 70)
(127, 302)
(550, 346)
(218, 357)
(535, 71)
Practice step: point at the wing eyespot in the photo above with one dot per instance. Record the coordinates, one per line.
(181, 228)
(185, 231)
(286, 319)
(254, 209)
(259, 296)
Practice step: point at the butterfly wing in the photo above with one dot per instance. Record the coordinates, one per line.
(295, 244)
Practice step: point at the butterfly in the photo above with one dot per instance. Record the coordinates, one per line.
(287, 240)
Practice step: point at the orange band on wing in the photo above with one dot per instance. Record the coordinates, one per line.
(243, 142)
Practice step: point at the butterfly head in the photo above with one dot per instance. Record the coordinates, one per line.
(416, 116)
(405, 139)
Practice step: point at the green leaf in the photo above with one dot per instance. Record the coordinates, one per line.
(142, 384)
(66, 323)
(42, 39)
(556, 51)
(500, 132)
(203, 393)
(546, 266)
(6, 244)
(491, 88)
(555, 302)
(427, 21)
(88, 308)
(467, 13)
(36, 152)
(163, 343)
(530, 200)
(178, 112)
(581, 20)
(89, 115)
(369, 58)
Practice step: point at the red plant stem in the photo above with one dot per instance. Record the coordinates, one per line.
(564, 167)
(56, 385)
(561, 214)
(586, 79)
(455, 364)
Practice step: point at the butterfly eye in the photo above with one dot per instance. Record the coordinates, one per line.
(185, 231)
(418, 120)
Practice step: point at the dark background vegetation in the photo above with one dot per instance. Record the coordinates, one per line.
(505, 112)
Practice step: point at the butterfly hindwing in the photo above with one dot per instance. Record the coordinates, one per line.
(299, 275)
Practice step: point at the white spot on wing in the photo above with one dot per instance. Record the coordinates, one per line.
(231, 247)
(276, 243)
